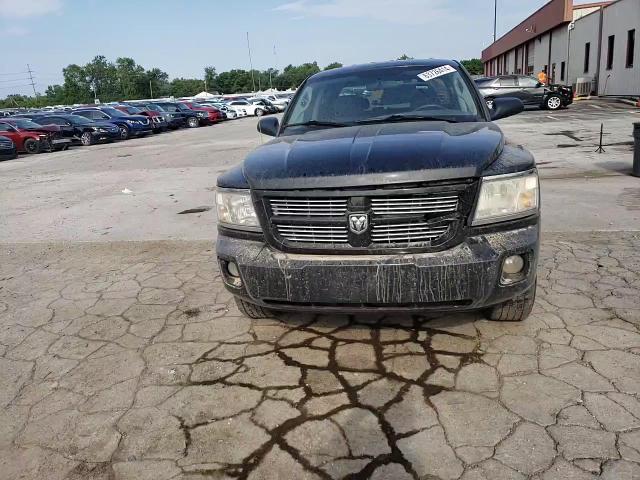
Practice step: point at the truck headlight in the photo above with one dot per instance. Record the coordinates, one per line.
(235, 210)
(505, 197)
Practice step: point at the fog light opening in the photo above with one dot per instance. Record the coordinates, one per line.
(513, 269)
(231, 273)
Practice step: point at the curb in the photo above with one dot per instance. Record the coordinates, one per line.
(628, 101)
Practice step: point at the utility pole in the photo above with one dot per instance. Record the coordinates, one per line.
(253, 80)
(205, 84)
(33, 85)
(150, 89)
(495, 19)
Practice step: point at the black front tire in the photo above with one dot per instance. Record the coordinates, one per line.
(514, 310)
(193, 122)
(31, 145)
(553, 102)
(87, 139)
(259, 112)
(253, 311)
(124, 132)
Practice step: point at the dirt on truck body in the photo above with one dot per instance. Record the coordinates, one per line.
(387, 187)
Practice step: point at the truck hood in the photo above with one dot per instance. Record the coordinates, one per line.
(374, 155)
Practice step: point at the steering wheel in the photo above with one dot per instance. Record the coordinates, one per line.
(429, 106)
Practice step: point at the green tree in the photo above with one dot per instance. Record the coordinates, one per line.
(404, 56)
(156, 83)
(293, 76)
(103, 78)
(333, 65)
(131, 78)
(185, 87)
(210, 77)
(474, 66)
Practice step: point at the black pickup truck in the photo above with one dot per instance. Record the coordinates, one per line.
(387, 187)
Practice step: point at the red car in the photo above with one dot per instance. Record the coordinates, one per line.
(30, 137)
(157, 120)
(214, 115)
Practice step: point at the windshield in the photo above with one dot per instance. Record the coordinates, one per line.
(78, 119)
(156, 108)
(112, 112)
(370, 95)
(182, 107)
(25, 124)
(132, 110)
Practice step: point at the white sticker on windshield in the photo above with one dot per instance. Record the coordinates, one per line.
(436, 72)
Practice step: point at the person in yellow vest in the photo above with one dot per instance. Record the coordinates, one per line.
(542, 76)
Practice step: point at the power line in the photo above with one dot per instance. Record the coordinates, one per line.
(14, 80)
(15, 73)
(6, 87)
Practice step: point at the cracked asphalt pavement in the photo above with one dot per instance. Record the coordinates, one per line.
(123, 357)
(130, 361)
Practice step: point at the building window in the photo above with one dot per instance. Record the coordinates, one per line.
(587, 55)
(631, 46)
(562, 67)
(611, 43)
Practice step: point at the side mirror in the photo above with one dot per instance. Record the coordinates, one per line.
(269, 126)
(506, 107)
(540, 84)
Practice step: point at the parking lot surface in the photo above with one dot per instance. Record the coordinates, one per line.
(128, 359)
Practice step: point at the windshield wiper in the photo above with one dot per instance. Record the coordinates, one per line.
(317, 123)
(402, 117)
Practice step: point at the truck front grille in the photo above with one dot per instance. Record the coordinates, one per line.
(414, 218)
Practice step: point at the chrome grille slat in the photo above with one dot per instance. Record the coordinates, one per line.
(407, 232)
(313, 233)
(414, 204)
(309, 207)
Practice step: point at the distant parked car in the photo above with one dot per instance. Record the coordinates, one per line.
(157, 120)
(528, 89)
(173, 120)
(266, 104)
(25, 140)
(129, 125)
(56, 140)
(190, 117)
(280, 103)
(79, 128)
(229, 112)
(8, 150)
(251, 108)
(213, 114)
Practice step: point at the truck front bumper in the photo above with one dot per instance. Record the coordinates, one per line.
(466, 277)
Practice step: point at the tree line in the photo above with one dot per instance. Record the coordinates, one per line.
(124, 79)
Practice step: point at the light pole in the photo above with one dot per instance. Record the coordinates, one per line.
(495, 19)
(253, 80)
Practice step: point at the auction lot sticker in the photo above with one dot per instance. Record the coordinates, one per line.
(436, 72)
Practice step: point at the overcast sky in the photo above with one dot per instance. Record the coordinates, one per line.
(181, 37)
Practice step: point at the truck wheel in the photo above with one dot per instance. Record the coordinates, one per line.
(514, 310)
(553, 102)
(251, 310)
(86, 139)
(489, 103)
(259, 112)
(31, 145)
(193, 122)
